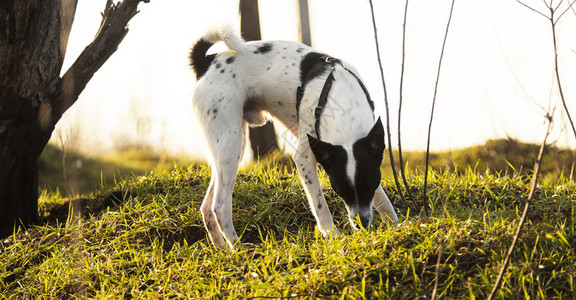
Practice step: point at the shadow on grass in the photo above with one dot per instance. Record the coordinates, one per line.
(72, 180)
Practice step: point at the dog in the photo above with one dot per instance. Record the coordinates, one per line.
(320, 99)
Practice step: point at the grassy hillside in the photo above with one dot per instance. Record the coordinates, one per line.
(75, 174)
(504, 156)
(71, 173)
(143, 238)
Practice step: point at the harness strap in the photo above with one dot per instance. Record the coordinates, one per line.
(322, 101)
(370, 102)
(323, 62)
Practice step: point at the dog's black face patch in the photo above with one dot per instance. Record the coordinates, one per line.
(357, 192)
(367, 177)
(267, 47)
(368, 153)
(230, 59)
(334, 160)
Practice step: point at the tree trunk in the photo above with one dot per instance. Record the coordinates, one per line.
(21, 142)
(30, 57)
(304, 22)
(33, 97)
(262, 139)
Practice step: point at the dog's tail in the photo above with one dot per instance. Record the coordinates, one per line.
(199, 61)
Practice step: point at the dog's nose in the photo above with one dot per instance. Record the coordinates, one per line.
(359, 218)
(360, 221)
(365, 221)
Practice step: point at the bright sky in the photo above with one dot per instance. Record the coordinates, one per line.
(497, 70)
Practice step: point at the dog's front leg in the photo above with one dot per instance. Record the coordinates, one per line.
(306, 165)
(384, 206)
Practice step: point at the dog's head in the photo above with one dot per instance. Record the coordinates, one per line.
(354, 171)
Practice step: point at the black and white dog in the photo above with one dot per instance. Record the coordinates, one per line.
(320, 99)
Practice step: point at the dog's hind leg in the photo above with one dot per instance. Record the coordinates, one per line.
(217, 205)
(384, 206)
(219, 108)
(224, 170)
(210, 219)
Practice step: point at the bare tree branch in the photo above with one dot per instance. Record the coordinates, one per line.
(400, 157)
(111, 33)
(387, 108)
(524, 212)
(533, 9)
(553, 22)
(558, 81)
(557, 6)
(549, 117)
(434, 100)
(562, 14)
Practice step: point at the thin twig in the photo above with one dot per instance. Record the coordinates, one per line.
(549, 117)
(524, 212)
(553, 22)
(400, 157)
(557, 6)
(387, 108)
(556, 68)
(437, 271)
(533, 9)
(434, 101)
(566, 10)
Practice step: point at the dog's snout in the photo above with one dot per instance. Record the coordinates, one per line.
(359, 220)
(364, 221)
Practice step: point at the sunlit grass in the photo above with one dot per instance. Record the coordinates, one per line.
(148, 241)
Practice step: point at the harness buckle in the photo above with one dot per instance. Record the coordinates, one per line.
(329, 59)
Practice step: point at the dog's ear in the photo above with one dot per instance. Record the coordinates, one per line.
(324, 152)
(374, 140)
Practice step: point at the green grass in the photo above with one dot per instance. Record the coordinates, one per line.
(143, 238)
(73, 174)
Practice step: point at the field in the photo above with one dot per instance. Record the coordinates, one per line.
(142, 237)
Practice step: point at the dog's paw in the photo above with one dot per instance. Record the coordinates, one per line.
(329, 231)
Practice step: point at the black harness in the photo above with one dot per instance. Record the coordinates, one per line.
(323, 63)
